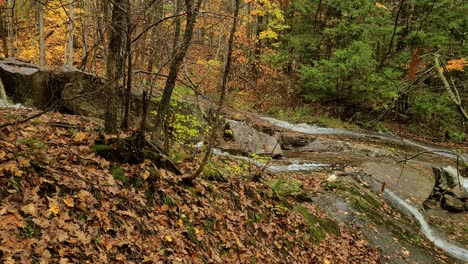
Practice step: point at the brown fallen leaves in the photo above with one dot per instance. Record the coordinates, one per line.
(59, 203)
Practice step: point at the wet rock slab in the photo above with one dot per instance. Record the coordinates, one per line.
(413, 180)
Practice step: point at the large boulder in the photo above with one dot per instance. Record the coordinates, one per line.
(66, 88)
(413, 180)
(452, 204)
(251, 140)
(25, 83)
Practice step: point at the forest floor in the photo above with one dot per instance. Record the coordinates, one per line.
(60, 202)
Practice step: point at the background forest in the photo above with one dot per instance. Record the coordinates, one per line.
(307, 60)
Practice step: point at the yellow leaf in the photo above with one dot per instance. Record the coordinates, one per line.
(12, 167)
(29, 209)
(268, 34)
(257, 12)
(180, 222)
(379, 5)
(24, 162)
(197, 231)
(145, 175)
(326, 261)
(9, 260)
(54, 206)
(81, 136)
(168, 238)
(68, 201)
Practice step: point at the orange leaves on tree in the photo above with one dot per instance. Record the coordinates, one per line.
(457, 65)
(414, 66)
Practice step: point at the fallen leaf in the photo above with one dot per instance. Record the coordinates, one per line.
(11, 167)
(54, 206)
(405, 253)
(29, 209)
(81, 136)
(382, 189)
(68, 201)
(145, 175)
(168, 238)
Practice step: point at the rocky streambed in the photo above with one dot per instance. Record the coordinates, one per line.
(408, 197)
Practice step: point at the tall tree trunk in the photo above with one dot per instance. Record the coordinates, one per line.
(128, 51)
(4, 33)
(115, 62)
(11, 27)
(176, 27)
(451, 89)
(40, 17)
(71, 21)
(84, 34)
(163, 107)
(224, 84)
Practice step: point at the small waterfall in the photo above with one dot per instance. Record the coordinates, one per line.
(451, 249)
(3, 96)
(4, 102)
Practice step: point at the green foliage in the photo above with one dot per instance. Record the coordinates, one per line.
(169, 200)
(31, 230)
(351, 54)
(318, 227)
(177, 155)
(284, 188)
(277, 209)
(33, 144)
(185, 128)
(100, 147)
(118, 173)
(349, 76)
(437, 112)
(210, 173)
(260, 158)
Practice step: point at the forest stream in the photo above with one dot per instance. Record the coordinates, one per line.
(379, 166)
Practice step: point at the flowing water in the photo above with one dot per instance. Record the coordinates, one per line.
(295, 164)
(315, 130)
(452, 249)
(4, 99)
(290, 165)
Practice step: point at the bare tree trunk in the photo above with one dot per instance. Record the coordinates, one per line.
(217, 124)
(128, 51)
(115, 62)
(11, 27)
(40, 17)
(163, 107)
(4, 33)
(451, 89)
(71, 21)
(84, 33)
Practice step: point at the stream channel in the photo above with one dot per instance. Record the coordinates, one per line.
(366, 161)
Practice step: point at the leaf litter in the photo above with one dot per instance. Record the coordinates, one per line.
(59, 203)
